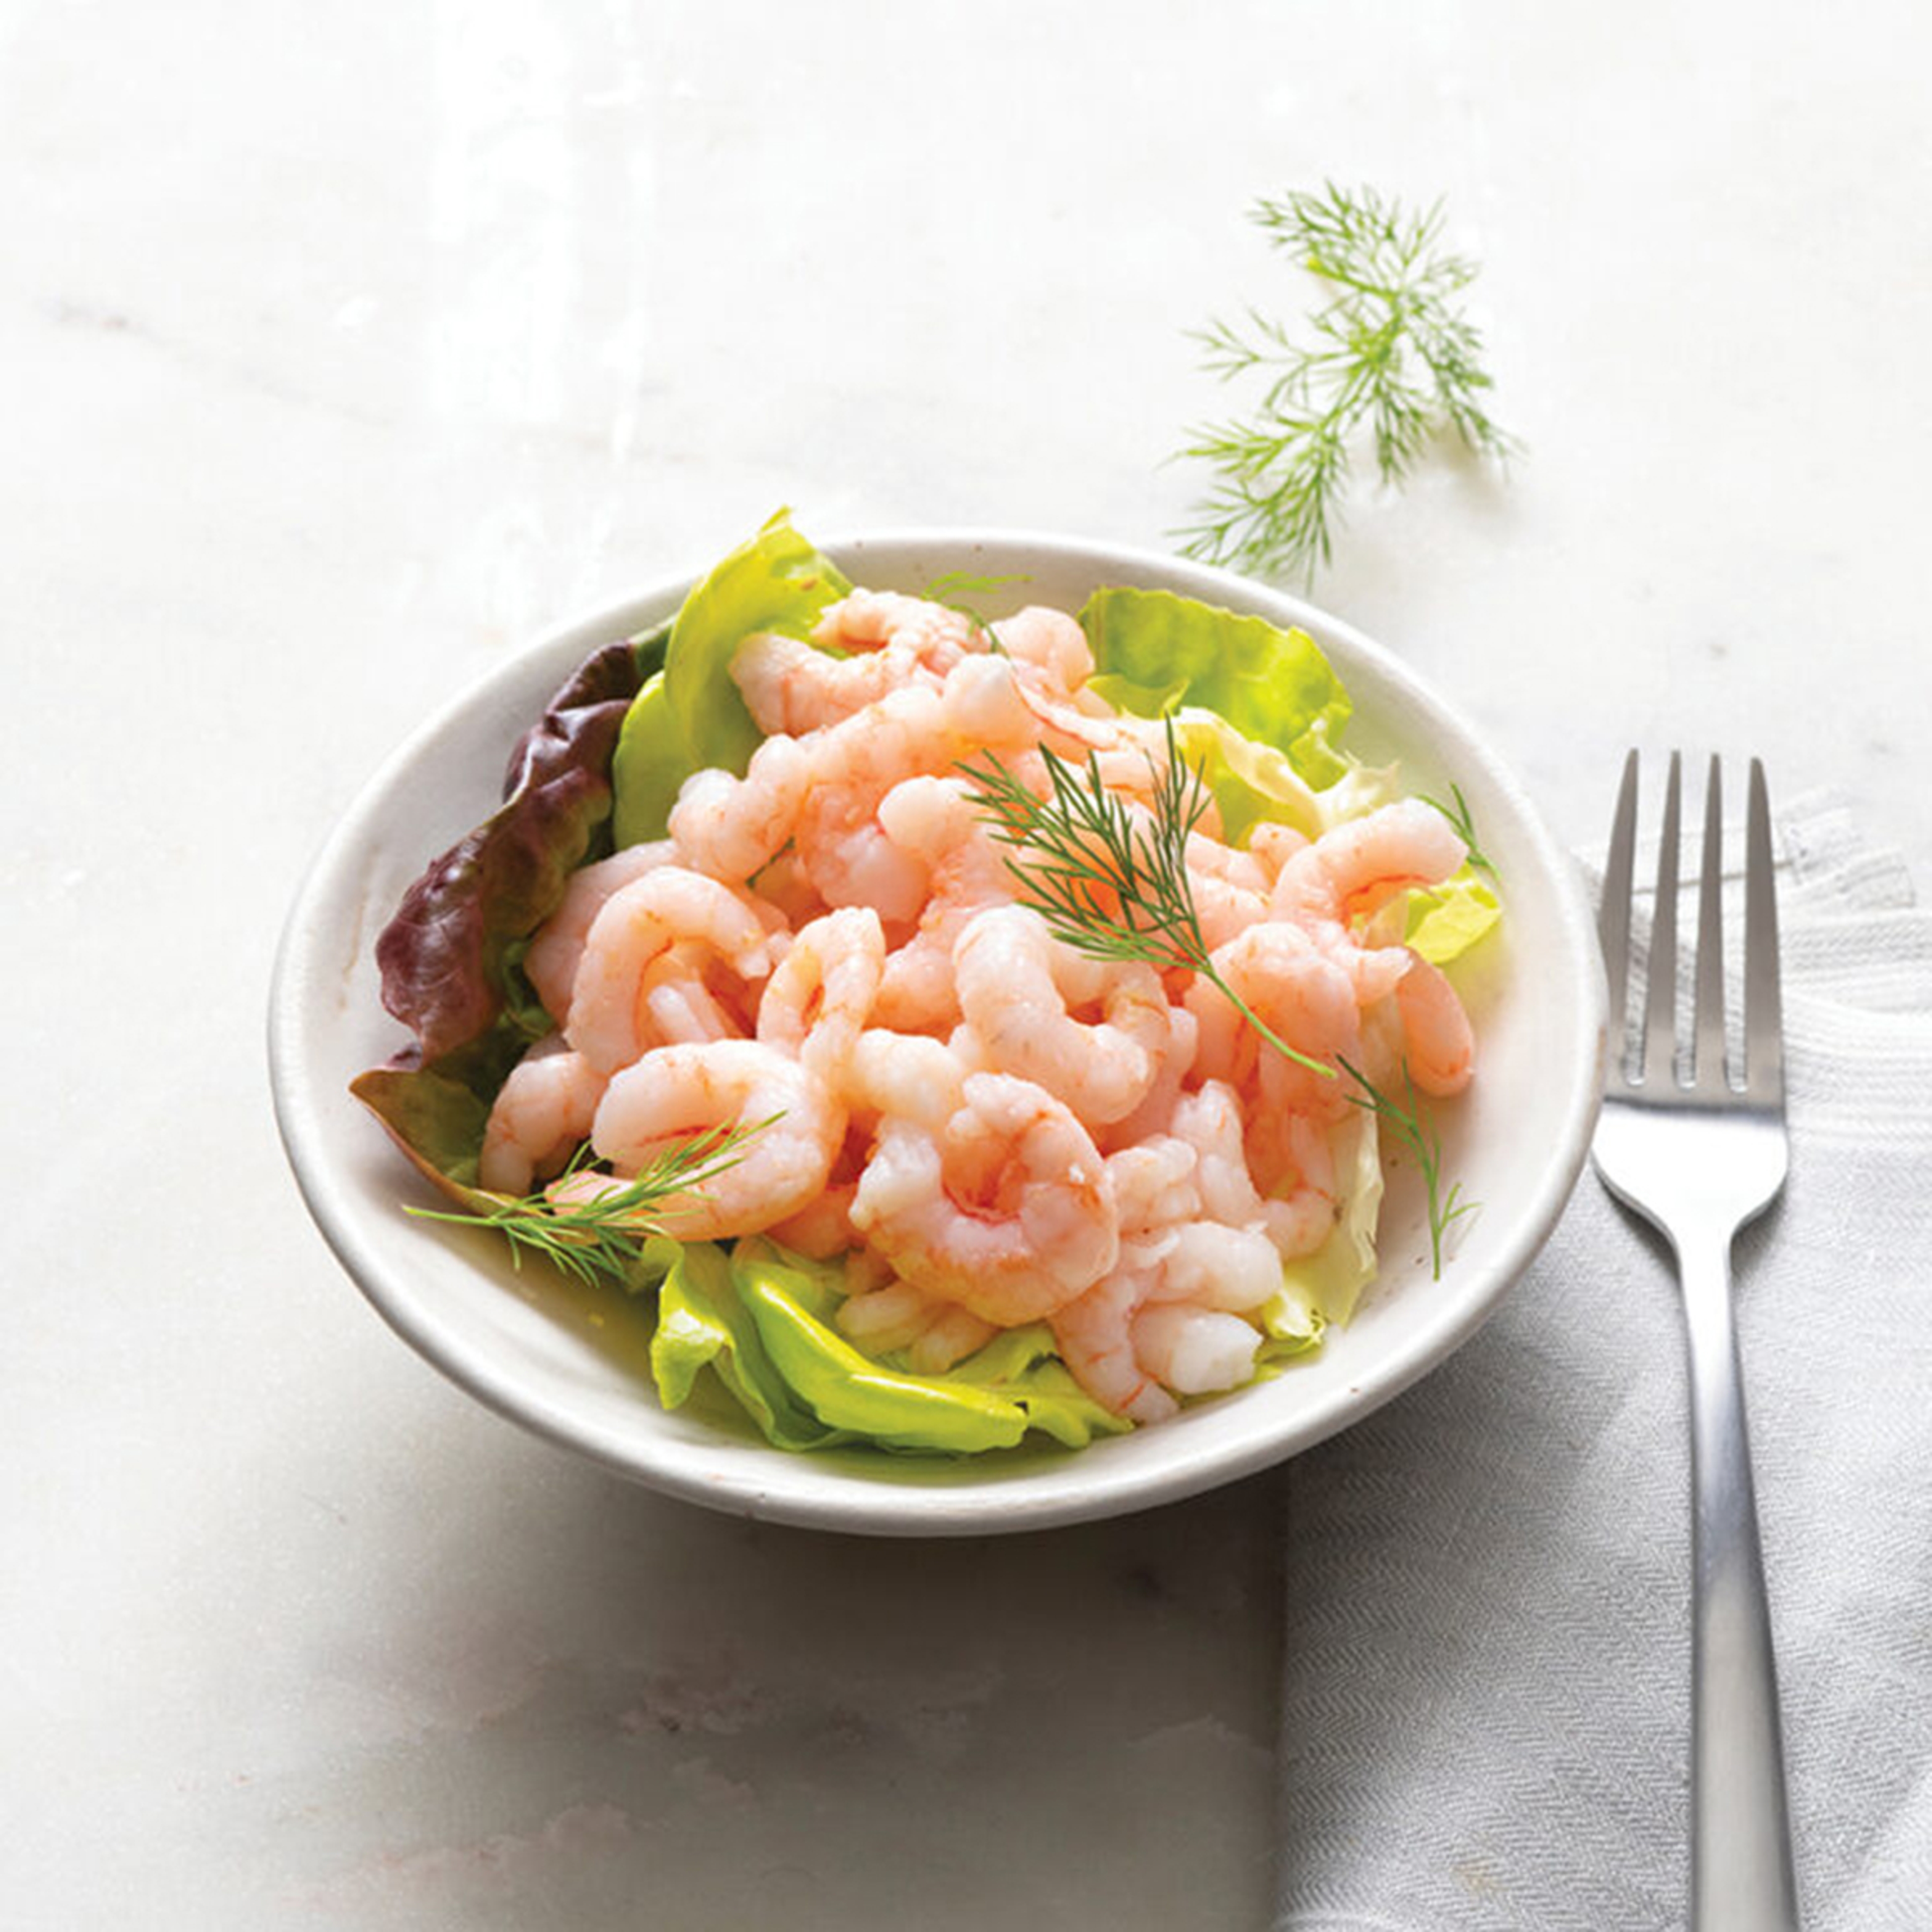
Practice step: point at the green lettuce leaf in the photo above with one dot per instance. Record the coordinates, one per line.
(1291, 1325)
(653, 759)
(1251, 781)
(988, 1402)
(847, 1389)
(1446, 921)
(1022, 1364)
(696, 718)
(703, 1322)
(1155, 651)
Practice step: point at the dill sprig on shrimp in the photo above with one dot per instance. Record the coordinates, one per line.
(600, 1236)
(1109, 882)
(951, 589)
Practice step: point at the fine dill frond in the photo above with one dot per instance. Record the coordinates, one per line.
(951, 588)
(600, 1239)
(1389, 361)
(1415, 1129)
(1463, 825)
(1109, 880)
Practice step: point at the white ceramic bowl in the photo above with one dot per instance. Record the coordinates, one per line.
(572, 1364)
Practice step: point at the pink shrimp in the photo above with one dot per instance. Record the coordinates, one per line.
(1154, 1184)
(983, 706)
(1006, 1209)
(1208, 858)
(727, 827)
(1095, 1336)
(821, 994)
(905, 1076)
(1438, 1045)
(932, 820)
(637, 926)
(1155, 1114)
(1298, 1211)
(792, 687)
(1049, 641)
(783, 885)
(1170, 1314)
(823, 1227)
(1019, 989)
(675, 1092)
(1224, 909)
(933, 635)
(542, 1113)
(557, 950)
(1355, 868)
(1271, 846)
(841, 847)
(895, 1317)
(1301, 994)
(681, 999)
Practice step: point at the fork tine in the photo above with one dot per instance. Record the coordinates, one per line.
(1613, 914)
(1660, 1027)
(1707, 1064)
(1764, 1016)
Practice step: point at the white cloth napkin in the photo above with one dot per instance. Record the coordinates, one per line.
(1485, 1717)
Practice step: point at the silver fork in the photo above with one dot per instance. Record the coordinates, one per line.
(1698, 1159)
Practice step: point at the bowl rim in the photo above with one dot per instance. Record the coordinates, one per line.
(826, 1498)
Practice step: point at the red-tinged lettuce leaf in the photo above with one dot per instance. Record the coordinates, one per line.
(452, 959)
(437, 1114)
(449, 958)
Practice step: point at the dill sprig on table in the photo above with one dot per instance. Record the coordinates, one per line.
(599, 1239)
(1390, 357)
(1417, 1132)
(1110, 880)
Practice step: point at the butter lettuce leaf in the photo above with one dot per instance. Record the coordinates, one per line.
(703, 1322)
(1291, 1325)
(696, 718)
(847, 1389)
(1251, 782)
(989, 1401)
(653, 759)
(1155, 652)
(1023, 1364)
(1446, 921)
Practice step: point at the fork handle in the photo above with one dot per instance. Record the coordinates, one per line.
(1741, 1877)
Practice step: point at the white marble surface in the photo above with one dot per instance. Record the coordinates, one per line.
(346, 346)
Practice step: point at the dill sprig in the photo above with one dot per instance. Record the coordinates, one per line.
(1463, 825)
(1415, 1130)
(600, 1239)
(1390, 358)
(1107, 880)
(951, 589)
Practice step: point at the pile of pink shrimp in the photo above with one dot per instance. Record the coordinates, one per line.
(993, 1128)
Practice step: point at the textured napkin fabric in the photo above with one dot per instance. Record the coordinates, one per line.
(1485, 1719)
